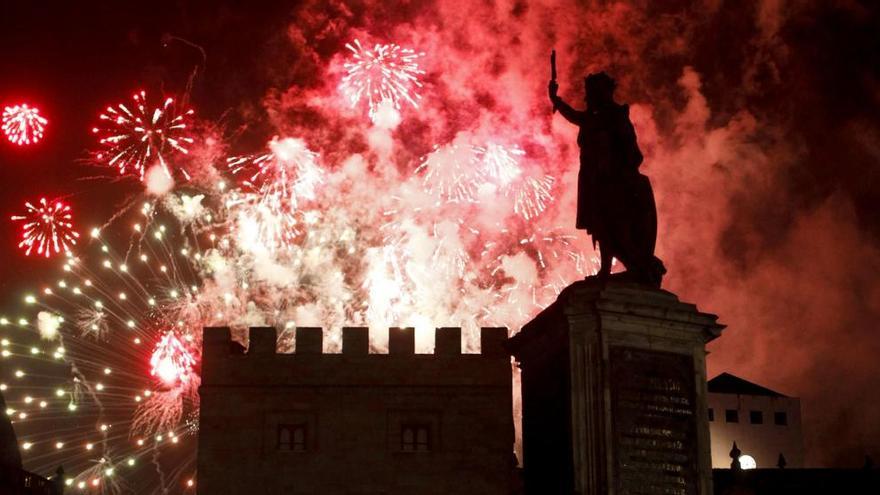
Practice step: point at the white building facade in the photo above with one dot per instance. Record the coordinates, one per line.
(764, 424)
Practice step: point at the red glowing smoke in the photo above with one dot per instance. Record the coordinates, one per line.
(729, 145)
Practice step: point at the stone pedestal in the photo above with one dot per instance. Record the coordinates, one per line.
(614, 393)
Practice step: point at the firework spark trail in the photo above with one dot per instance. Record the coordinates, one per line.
(110, 485)
(452, 172)
(500, 163)
(134, 138)
(23, 125)
(47, 228)
(385, 73)
(553, 245)
(531, 195)
(290, 171)
(282, 180)
(531, 192)
(458, 173)
(385, 283)
(99, 478)
(171, 362)
(128, 295)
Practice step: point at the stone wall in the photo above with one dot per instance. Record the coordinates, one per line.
(355, 422)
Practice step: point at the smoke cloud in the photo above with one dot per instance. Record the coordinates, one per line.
(765, 174)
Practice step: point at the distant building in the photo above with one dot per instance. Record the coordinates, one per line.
(355, 422)
(762, 422)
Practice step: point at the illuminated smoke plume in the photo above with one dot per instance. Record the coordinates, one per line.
(48, 325)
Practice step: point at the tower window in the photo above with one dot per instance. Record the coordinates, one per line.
(711, 414)
(292, 438)
(731, 416)
(780, 418)
(756, 417)
(415, 437)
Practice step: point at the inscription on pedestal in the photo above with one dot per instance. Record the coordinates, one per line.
(653, 422)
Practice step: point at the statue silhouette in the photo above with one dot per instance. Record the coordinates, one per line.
(615, 202)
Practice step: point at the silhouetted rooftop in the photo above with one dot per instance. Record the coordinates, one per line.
(725, 383)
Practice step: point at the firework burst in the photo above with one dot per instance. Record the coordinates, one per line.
(290, 172)
(47, 228)
(171, 362)
(531, 192)
(500, 163)
(552, 246)
(553, 252)
(452, 172)
(137, 137)
(383, 73)
(278, 183)
(23, 125)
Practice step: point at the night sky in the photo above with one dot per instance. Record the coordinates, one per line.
(74, 60)
(759, 122)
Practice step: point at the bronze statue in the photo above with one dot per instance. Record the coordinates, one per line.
(615, 202)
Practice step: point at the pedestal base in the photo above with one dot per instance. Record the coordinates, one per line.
(614, 393)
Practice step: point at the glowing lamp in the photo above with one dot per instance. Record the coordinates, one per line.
(747, 462)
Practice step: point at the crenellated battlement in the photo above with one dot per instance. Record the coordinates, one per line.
(355, 341)
(226, 362)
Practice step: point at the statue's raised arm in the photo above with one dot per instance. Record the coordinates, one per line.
(615, 202)
(566, 110)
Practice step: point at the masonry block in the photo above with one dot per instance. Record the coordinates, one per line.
(355, 340)
(262, 340)
(309, 340)
(401, 341)
(447, 341)
(492, 341)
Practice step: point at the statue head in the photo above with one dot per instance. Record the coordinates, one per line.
(599, 89)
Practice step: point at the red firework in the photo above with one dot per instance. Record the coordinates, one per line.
(171, 362)
(47, 228)
(385, 73)
(23, 125)
(135, 138)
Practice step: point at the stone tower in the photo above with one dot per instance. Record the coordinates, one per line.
(614, 393)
